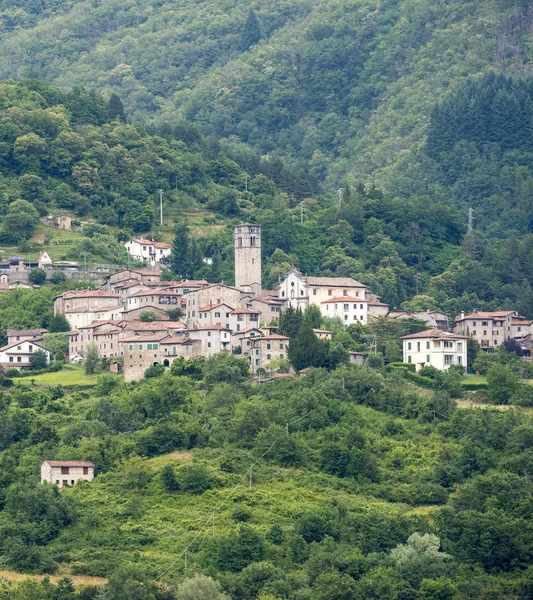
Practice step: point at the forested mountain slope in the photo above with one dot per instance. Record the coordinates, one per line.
(344, 87)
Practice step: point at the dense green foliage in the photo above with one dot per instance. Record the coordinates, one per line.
(372, 490)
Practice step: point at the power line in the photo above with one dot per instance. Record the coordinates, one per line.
(228, 497)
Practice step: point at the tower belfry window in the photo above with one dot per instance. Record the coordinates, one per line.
(252, 241)
(240, 242)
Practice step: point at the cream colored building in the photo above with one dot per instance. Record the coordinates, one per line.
(435, 347)
(66, 472)
(347, 308)
(299, 291)
(213, 338)
(84, 300)
(243, 318)
(489, 329)
(268, 306)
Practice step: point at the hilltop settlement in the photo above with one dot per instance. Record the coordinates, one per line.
(131, 317)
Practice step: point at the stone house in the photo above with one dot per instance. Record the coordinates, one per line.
(269, 307)
(243, 338)
(347, 308)
(84, 300)
(265, 349)
(141, 352)
(161, 298)
(323, 334)
(218, 293)
(489, 329)
(144, 276)
(66, 472)
(22, 335)
(435, 347)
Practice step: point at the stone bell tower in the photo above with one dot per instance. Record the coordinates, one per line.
(247, 244)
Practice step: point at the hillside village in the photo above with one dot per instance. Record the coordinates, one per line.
(243, 318)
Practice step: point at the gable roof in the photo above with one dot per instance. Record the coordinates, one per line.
(218, 326)
(348, 299)
(68, 463)
(488, 315)
(25, 332)
(211, 306)
(436, 334)
(334, 282)
(244, 311)
(272, 336)
(147, 337)
(32, 342)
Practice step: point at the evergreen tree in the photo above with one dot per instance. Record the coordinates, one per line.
(116, 108)
(180, 250)
(290, 322)
(58, 323)
(306, 350)
(250, 31)
(195, 259)
(312, 316)
(215, 274)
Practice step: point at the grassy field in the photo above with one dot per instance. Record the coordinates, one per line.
(474, 379)
(70, 375)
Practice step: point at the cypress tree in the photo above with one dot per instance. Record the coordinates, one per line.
(116, 108)
(250, 31)
(306, 350)
(180, 250)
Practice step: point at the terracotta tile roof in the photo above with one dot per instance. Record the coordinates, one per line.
(243, 331)
(513, 322)
(218, 326)
(88, 294)
(150, 243)
(147, 337)
(267, 300)
(154, 292)
(334, 281)
(348, 299)
(25, 332)
(69, 463)
(153, 325)
(272, 336)
(488, 315)
(322, 331)
(436, 334)
(244, 311)
(210, 306)
(176, 339)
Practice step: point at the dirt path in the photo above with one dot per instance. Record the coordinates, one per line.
(76, 579)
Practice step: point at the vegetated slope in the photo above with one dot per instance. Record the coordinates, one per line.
(342, 87)
(351, 480)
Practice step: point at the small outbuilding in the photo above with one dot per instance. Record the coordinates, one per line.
(66, 472)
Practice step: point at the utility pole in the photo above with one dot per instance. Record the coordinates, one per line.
(161, 205)
(250, 477)
(246, 183)
(470, 220)
(302, 212)
(417, 280)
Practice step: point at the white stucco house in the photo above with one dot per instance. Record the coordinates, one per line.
(148, 251)
(17, 354)
(346, 308)
(435, 347)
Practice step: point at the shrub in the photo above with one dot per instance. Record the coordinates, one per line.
(195, 479)
(12, 372)
(154, 371)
